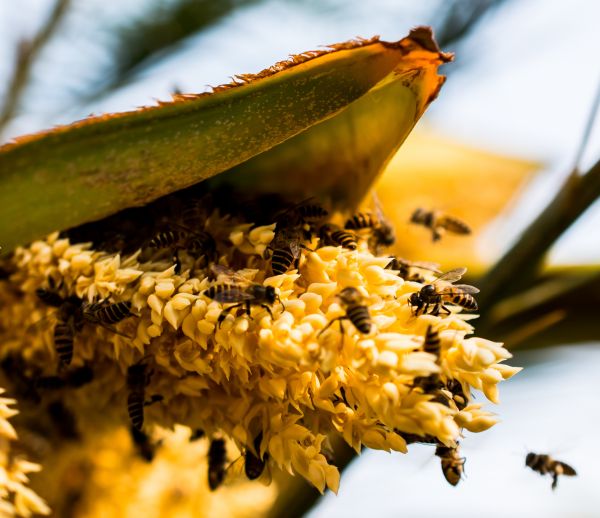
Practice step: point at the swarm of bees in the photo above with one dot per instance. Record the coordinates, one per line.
(546, 465)
(297, 228)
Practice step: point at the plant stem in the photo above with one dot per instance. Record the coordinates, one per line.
(27, 52)
(516, 269)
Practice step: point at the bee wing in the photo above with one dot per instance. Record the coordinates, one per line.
(461, 288)
(378, 207)
(235, 471)
(234, 293)
(227, 275)
(432, 267)
(452, 275)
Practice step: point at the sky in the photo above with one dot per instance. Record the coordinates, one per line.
(523, 85)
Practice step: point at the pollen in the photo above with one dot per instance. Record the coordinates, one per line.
(222, 356)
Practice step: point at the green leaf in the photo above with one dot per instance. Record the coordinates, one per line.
(96, 167)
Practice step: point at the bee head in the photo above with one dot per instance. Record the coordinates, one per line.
(271, 295)
(530, 458)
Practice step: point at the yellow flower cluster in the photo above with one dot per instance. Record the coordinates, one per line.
(16, 499)
(278, 379)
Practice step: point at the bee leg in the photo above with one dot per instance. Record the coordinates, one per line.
(304, 247)
(554, 481)
(226, 311)
(268, 309)
(442, 307)
(328, 325)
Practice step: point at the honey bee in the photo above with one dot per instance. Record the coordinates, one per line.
(217, 458)
(241, 292)
(137, 380)
(458, 394)
(253, 464)
(406, 269)
(382, 232)
(73, 313)
(198, 243)
(452, 463)
(544, 465)
(439, 222)
(441, 291)
(287, 246)
(356, 311)
(304, 213)
(332, 235)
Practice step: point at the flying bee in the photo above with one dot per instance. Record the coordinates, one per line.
(382, 232)
(356, 311)
(239, 291)
(137, 379)
(406, 269)
(217, 458)
(441, 291)
(332, 235)
(439, 222)
(198, 243)
(254, 465)
(544, 465)
(287, 246)
(452, 463)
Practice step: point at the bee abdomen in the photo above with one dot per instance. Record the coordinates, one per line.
(344, 239)
(63, 342)
(360, 221)
(312, 212)
(135, 408)
(281, 260)
(217, 456)
(113, 313)
(432, 343)
(466, 301)
(359, 316)
(166, 239)
(223, 293)
(455, 225)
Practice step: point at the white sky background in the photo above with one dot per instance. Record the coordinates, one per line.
(523, 85)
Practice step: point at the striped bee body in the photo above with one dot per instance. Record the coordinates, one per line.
(362, 220)
(332, 235)
(135, 408)
(452, 463)
(311, 212)
(432, 342)
(465, 300)
(226, 293)
(282, 259)
(438, 223)
(168, 239)
(454, 225)
(217, 458)
(107, 313)
(64, 334)
(359, 316)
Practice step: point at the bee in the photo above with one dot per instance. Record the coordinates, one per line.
(198, 433)
(241, 292)
(145, 446)
(287, 246)
(452, 463)
(73, 313)
(304, 213)
(74, 378)
(356, 311)
(435, 295)
(406, 269)
(382, 233)
(332, 235)
(544, 464)
(137, 380)
(439, 222)
(458, 394)
(197, 243)
(253, 464)
(217, 458)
